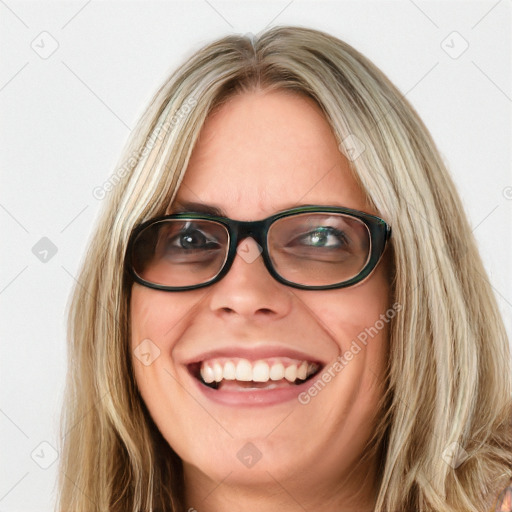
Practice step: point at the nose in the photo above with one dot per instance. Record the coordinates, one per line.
(248, 290)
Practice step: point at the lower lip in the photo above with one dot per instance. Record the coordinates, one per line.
(256, 397)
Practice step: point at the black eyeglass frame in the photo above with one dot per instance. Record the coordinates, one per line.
(380, 232)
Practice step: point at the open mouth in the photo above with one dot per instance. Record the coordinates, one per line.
(238, 374)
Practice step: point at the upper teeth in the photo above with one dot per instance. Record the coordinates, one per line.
(257, 371)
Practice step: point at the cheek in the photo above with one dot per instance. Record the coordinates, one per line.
(358, 320)
(160, 316)
(348, 393)
(148, 340)
(351, 312)
(157, 320)
(145, 320)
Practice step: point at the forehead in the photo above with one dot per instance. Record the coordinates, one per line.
(262, 152)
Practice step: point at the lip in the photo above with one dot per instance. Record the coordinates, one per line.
(254, 354)
(256, 397)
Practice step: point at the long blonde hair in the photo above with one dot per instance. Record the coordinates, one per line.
(450, 389)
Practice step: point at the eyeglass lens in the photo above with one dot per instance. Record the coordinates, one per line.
(307, 249)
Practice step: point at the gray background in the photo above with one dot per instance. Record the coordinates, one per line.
(75, 76)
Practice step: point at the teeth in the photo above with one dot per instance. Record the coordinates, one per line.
(302, 371)
(260, 372)
(290, 374)
(244, 370)
(208, 375)
(277, 371)
(229, 372)
(217, 371)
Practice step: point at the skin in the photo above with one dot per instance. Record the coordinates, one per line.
(260, 153)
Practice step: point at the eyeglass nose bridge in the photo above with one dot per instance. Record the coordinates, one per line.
(239, 231)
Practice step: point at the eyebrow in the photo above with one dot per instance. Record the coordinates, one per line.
(193, 207)
(190, 206)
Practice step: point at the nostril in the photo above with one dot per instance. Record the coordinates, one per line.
(266, 311)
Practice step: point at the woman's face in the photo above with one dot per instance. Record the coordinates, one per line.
(262, 153)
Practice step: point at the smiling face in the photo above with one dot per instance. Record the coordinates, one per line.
(261, 153)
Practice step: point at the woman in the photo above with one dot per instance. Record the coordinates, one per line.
(283, 306)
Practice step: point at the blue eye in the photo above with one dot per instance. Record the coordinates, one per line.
(324, 237)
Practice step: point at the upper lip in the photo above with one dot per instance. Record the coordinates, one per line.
(254, 354)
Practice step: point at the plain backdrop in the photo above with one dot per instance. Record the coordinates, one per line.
(74, 78)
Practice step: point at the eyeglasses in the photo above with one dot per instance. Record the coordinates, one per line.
(309, 247)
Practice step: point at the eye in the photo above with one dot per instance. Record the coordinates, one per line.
(192, 239)
(322, 237)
